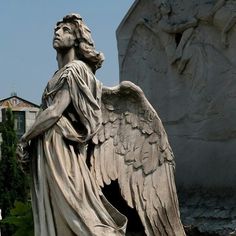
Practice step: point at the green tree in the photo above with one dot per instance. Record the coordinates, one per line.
(22, 218)
(13, 182)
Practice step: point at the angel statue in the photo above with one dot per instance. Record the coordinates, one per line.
(86, 136)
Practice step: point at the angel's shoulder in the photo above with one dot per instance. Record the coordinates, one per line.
(77, 66)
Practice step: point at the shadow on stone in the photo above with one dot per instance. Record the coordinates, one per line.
(112, 193)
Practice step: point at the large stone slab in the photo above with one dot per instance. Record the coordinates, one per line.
(182, 54)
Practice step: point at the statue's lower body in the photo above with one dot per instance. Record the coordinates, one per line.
(65, 198)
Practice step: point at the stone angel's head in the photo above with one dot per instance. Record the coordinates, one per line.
(71, 31)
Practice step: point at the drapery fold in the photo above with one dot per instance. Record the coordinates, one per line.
(65, 198)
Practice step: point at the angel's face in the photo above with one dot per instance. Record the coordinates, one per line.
(64, 36)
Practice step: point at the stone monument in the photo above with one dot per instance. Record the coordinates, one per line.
(86, 136)
(182, 54)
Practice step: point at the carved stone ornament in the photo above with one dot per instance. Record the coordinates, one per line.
(116, 129)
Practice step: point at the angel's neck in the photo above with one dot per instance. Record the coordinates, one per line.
(65, 57)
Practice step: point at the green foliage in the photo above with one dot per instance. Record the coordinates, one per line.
(13, 182)
(21, 218)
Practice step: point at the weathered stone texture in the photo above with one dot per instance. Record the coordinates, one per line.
(182, 53)
(208, 212)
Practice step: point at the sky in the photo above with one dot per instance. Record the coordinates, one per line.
(27, 58)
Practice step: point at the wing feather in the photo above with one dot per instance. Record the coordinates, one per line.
(96, 162)
(104, 172)
(132, 147)
(101, 135)
(107, 129)
(108, 162)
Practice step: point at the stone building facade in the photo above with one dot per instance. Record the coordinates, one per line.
(23, 110)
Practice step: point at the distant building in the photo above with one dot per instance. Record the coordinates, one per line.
(23, 110)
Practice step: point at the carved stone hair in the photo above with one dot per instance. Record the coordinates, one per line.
(85, 48)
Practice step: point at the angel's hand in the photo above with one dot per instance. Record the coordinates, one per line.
(22, 154)
(21, 149)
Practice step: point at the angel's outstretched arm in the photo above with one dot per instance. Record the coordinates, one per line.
(50, 115)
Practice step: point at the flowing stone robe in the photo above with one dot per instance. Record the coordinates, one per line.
(66, 199)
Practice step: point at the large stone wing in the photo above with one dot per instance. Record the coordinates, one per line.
(132, 147)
